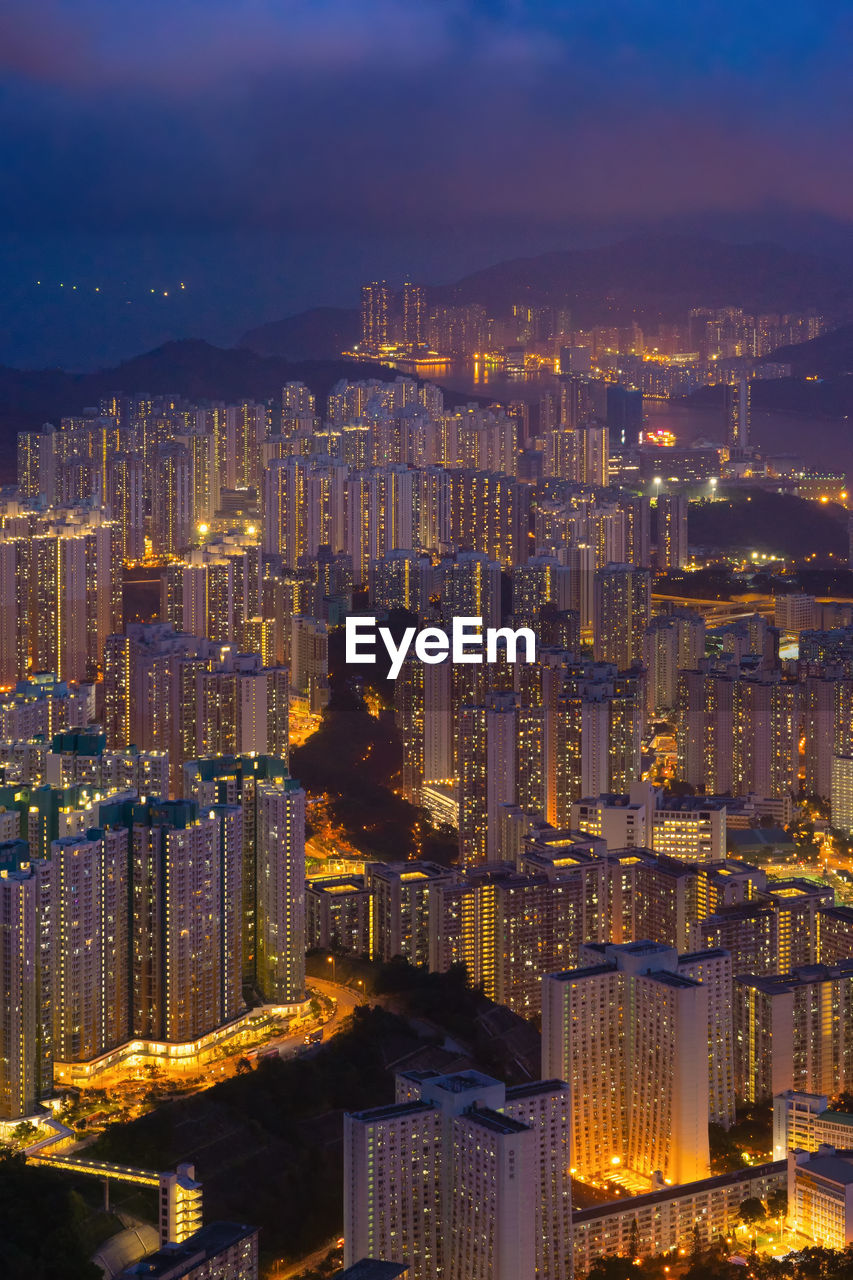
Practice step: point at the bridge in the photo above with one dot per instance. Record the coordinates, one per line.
(180, 1200)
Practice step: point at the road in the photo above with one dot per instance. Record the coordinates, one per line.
(346, 1000)
(286, 1271)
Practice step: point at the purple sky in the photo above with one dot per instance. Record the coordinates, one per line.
(394, 135)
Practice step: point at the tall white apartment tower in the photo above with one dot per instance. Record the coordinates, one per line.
(462, 1179)
(630, 1034)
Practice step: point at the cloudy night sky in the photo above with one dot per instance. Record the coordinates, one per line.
(271, 156)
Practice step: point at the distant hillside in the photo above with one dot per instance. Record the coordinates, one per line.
(646, 277)
(192, 369)
(664, 274)
(319, 334)
(821, 384)
(829, 356)
(776, 523)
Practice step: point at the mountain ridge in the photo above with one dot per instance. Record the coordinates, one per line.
(189, 367)
(651, 277)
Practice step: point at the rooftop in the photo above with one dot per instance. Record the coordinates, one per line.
(393, 1111)
(506, 1126)
(373, 1269)
(463, 1082)
(175, 1260)
(837, 1167)
(535, 1088)
(683, 1190)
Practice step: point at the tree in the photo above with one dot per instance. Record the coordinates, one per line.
(612, 1269)
(24, 1133)
(752, 1210)
(777, 1203)
(43, 1225)
(696, 1244)
(634, 1240)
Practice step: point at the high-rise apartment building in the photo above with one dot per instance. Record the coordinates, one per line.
(637, 511)
(273, 864)
(124, 500)
(621, 615)
(462, 1177)
(510, 927)
(672, 531)
(592, 725)
(736, 407)
(60, 590)
(172, 692)
(629, 1033)
(375, 316)
(842, 793)
(280, 890)
(691, 829)
(737, 732)
(414, 315)
(779, 928)
(673, 642)
(580, 453)
(285, 502)
(26, 1073)
(400, 912)
(338, 913)
(89, 885)
(794, 1031)
(186, 916)
(172, 516)
(488, 740)
(469, 586)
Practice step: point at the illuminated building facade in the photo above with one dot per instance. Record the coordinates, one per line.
(739, 733)
(629, 1033)
(273, 859)
(779, 929)
(375, 315)
(672, 643)
(338, 911)
(820, 1196)
(461, 1177)
(793, 1031)
(280, 890)
(60, 585)
(803, 1122)
(621, 614)
(186, 894)
(670, 1217)
(172, 692)
(672, 531)
(89, 885)
(25, 1032)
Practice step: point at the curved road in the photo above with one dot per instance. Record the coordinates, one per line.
(348, 998)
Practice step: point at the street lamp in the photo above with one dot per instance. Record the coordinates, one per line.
(331, 961)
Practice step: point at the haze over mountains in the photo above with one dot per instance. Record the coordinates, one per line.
(658, 277)
(191, 368)
(655, 276)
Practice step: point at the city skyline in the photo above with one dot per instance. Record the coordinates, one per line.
(426, 641)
